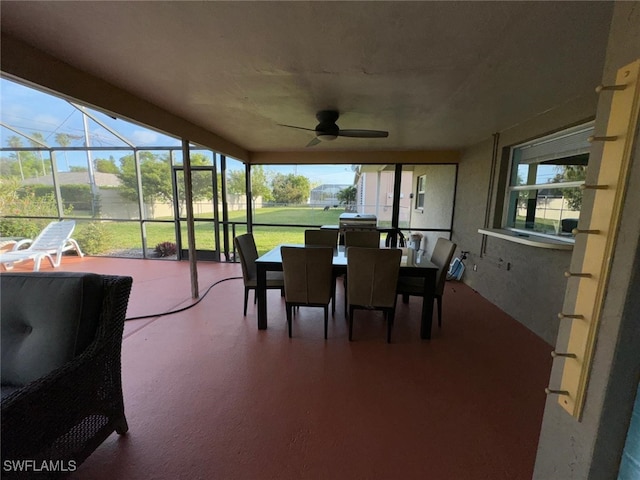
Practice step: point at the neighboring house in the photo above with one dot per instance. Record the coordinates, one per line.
(426, 198)
(112, 204)
(375, 193)
(76, 178)
(326, 195)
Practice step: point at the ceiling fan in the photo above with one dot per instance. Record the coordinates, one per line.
(328, 130)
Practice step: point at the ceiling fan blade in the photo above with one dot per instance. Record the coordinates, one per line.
(314, 141)
(299, 128)
(363, 133)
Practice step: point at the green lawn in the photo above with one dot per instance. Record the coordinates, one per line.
(126, 235)
(542, 225)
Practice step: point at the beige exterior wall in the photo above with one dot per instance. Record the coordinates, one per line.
(440, 185)
(379, 201)
(439, 188)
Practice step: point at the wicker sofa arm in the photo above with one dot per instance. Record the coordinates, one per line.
(67, 413)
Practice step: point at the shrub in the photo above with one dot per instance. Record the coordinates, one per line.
(76, 196)
(166, 249)
(93, 238)
(14, 202)
(21, 227)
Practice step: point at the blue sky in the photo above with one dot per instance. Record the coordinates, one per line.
(28, 110)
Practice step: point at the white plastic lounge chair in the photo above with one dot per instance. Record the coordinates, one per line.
(51, 243)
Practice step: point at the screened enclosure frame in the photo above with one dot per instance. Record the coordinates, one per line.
(223, 247)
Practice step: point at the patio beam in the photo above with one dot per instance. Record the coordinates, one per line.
(333, 157)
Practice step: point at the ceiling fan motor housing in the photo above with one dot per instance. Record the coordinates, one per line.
(327, 128)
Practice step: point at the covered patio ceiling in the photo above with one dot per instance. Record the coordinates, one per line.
(435, 75)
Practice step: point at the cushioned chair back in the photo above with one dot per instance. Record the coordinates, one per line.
(321, 238)
(308, 274)
(370, 239)
(441, 256)
(246, 248)
(47, 318)
(373, 276)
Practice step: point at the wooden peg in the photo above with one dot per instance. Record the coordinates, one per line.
(602, 88)
(609, 138)
(549, 391)
(562, 316)
(574, 274)
(555, 354)
(576, 231)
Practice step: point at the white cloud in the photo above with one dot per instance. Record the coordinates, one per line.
(143, 137)
(46, 121)
(13, 112)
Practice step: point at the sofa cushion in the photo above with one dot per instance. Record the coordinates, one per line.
(6, 390)
(47, 318)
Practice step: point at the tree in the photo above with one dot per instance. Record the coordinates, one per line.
(571, 173)
(106, 166)
(156, 178)
(291, 188)
(6, 164)
(200, 181)
(347, 196)
(260, 183)
(38, 141)
(64, 140)
(155, 171)
(16, 142)
(236, 183)
(23, 164)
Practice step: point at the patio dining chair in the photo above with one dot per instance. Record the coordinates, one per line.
(308, 274)
(324, 238)
(441, 256)
(373, 276)
(362, 238)
(321, 238)
(359, 238)
(51, 243)
(248, 252)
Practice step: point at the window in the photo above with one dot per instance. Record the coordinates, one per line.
(544, 194)
(420, 192)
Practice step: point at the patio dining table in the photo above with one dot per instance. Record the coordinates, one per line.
(272, 261)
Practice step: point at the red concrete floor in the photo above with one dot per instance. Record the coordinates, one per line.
(208, 396)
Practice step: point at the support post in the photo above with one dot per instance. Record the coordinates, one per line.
(395, 215)
(247, 178)
(191, 231)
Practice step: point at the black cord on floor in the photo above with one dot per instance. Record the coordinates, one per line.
(188, 306)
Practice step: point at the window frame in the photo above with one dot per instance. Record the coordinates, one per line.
(421, 181)
(585, 127)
